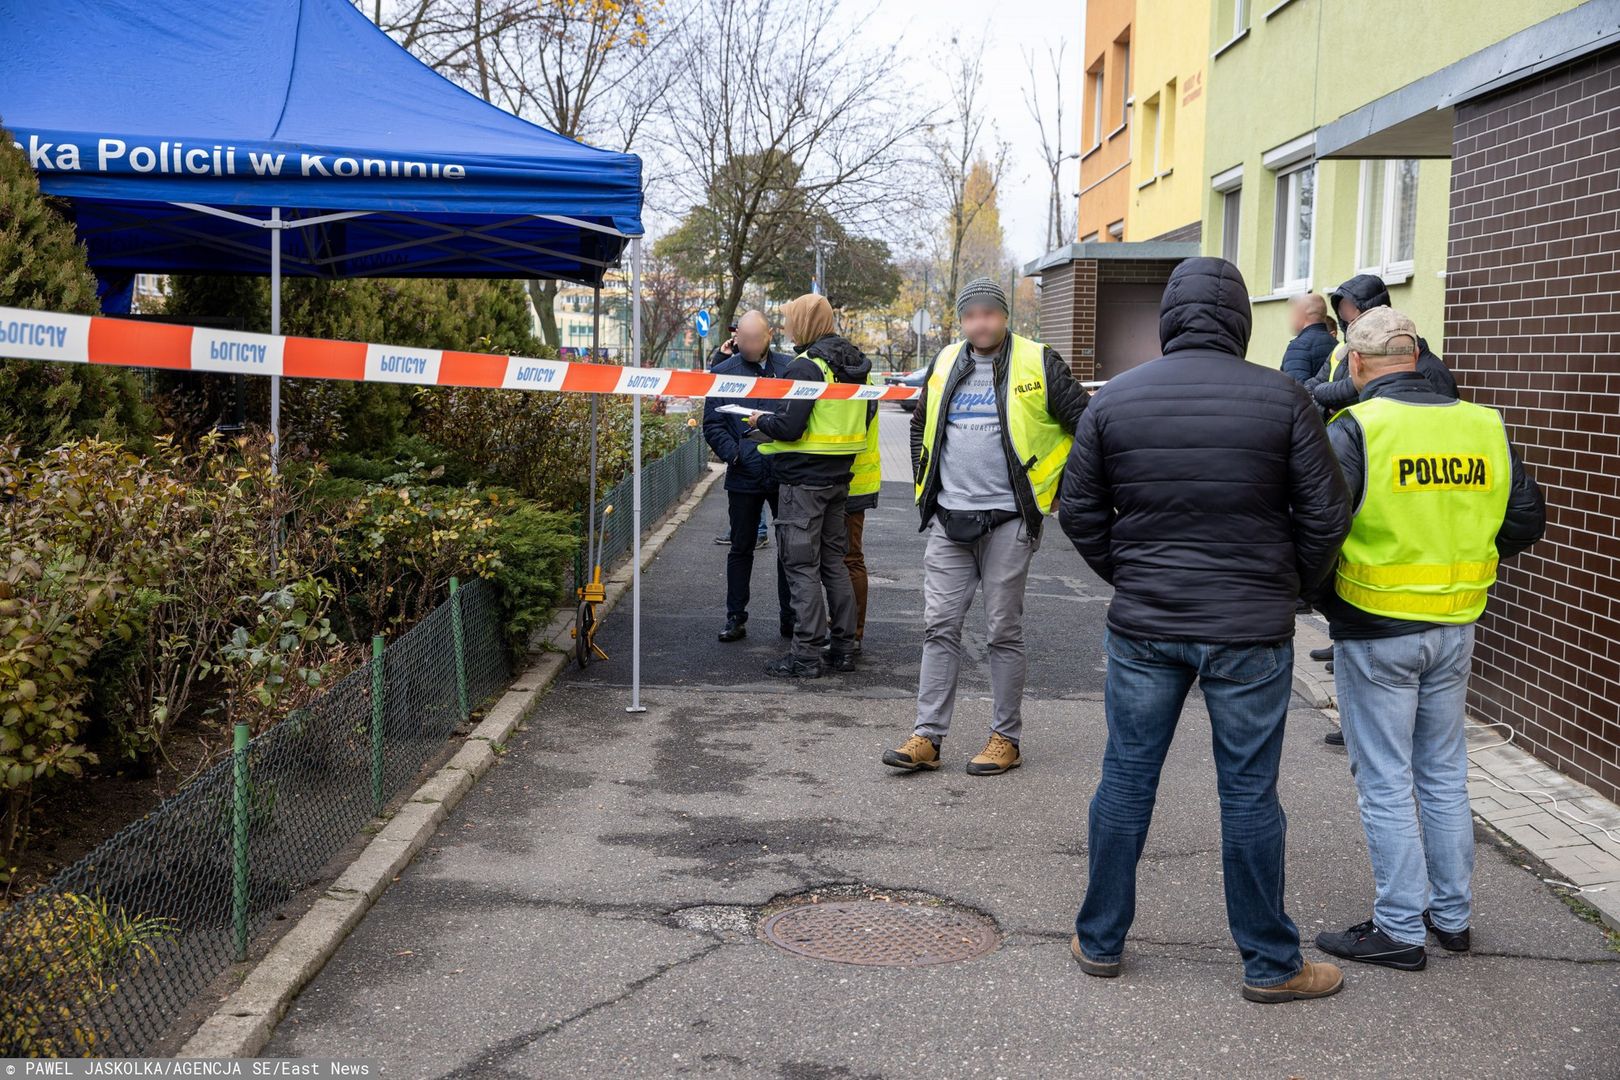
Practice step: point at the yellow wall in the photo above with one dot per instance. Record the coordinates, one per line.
(1105, 148)
(1301, 65)
(1171, 61)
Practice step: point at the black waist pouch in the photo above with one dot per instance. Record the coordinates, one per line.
(971, 526)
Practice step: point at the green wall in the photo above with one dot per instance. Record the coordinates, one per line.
(1307, 64)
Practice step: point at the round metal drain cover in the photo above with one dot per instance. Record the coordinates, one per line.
(877, 933)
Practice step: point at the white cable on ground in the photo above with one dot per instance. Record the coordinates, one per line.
(1552, 802)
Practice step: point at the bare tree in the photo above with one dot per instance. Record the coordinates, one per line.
(1052, 130)
(592, 70)
(798, 117)
(967, 171)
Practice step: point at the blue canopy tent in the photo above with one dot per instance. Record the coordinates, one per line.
(188, 135)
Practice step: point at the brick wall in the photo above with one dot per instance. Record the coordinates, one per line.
(1069, 314)
(1533, 329)
(1189, 234)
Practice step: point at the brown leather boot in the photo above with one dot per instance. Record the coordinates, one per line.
(1315, 980)
(1090, 966)
(915, 753)
(998, 755)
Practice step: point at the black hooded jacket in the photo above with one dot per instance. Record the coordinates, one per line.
(1334, 390)
(1201, 485)
(788, 422)
(1522, 525)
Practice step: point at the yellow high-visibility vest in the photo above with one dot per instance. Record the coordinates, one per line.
(868, 463)
(837, 426)
(1336, 362)
(1423, 545)
(1039, 441)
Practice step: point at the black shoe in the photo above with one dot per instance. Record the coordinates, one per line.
(1322, 655)
(838, 661)
(1334, 737)
(1367, 944)
(786, 628)
(724, 539)
(736, 630)
(1450, 940)
(793, 667)
(1329, 666)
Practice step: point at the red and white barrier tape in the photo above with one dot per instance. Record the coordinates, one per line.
(95, 339)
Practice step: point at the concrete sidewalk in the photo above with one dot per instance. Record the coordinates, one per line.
(590, 909)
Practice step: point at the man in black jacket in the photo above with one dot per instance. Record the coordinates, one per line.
(988, 443)
(1203, 489)
(1440, 497)
(750, 481)
(813, 471)
(1332, 387)
(1313, 342)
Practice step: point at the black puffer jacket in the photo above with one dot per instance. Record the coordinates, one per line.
(788, 422)
(1332, 389)
(1200, 485)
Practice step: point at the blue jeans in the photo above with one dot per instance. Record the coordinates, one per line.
(1246, 688)
(1401, 700)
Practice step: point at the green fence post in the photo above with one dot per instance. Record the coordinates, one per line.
(460, 647)
(377, 723)
(239, 838)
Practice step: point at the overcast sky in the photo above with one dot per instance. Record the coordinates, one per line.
(921, 26)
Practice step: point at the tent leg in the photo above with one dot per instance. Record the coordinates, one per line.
(635, 483)
(275, 328)
(590, 529)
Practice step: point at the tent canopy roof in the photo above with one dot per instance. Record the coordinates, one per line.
(303, 105)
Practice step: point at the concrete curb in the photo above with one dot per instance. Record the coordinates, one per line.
(1311, 680)
(245, 1020)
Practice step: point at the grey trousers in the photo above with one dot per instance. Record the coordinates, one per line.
(952, 573)
(811, 539)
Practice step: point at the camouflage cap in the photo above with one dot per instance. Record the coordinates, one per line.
(1383, 331)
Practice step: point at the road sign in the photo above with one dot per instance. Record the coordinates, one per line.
(921, 323)
(701, 323)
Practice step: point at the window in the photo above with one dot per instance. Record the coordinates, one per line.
(1116, 231)
(1291, 228)
(1231, 223)
(1097, 107)
(1152, 138)
(1124, 82)
(1164, 145)
(1388, 217)
(1090, 238)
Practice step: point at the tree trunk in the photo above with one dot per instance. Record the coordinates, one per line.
(544, 296)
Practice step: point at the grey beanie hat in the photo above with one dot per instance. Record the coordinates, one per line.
(981, 291)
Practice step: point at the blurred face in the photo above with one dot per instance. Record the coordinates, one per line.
(1348, 311)
(753, 335)
(1298, 317)
(984, 326)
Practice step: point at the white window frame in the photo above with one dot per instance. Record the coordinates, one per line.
(1224, 184)
(1127, 99)
(1286, 279)
(1240, 17)
(1231, 224)
(1117, 229)
(1393, 271)
(1099, 86)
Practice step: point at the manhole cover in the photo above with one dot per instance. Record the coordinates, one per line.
(876, 933)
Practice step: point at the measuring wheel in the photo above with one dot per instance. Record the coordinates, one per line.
(584, 633)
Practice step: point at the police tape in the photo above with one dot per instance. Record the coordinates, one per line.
(98, 339)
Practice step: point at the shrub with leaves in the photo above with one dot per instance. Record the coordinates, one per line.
(282, 658)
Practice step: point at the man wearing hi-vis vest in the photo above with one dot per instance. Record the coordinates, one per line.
(863, 496)
(988, 443)
(1440, 496)
(813, 447)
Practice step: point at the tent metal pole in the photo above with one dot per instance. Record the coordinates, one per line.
(635, 483)
(590, 529)
(275, 328)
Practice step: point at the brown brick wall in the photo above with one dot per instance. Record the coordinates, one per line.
(1069, 314)
(1533, 329)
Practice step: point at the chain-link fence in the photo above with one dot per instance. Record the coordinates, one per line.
(663, 483)
(104, 959)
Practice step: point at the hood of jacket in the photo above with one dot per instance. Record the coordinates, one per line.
(1366, 291)
(1205, 306)
(849, 364)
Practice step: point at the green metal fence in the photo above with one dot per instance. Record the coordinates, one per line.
(105, 958)
(663, 483)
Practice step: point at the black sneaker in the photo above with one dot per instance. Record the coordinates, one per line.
(1450, 940)
(1367, 944)
(793, 667)
(838, 661)
(1334, 737)
(1322, 655)
(736, 630)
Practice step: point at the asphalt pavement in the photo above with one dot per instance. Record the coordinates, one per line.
(591, 909)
